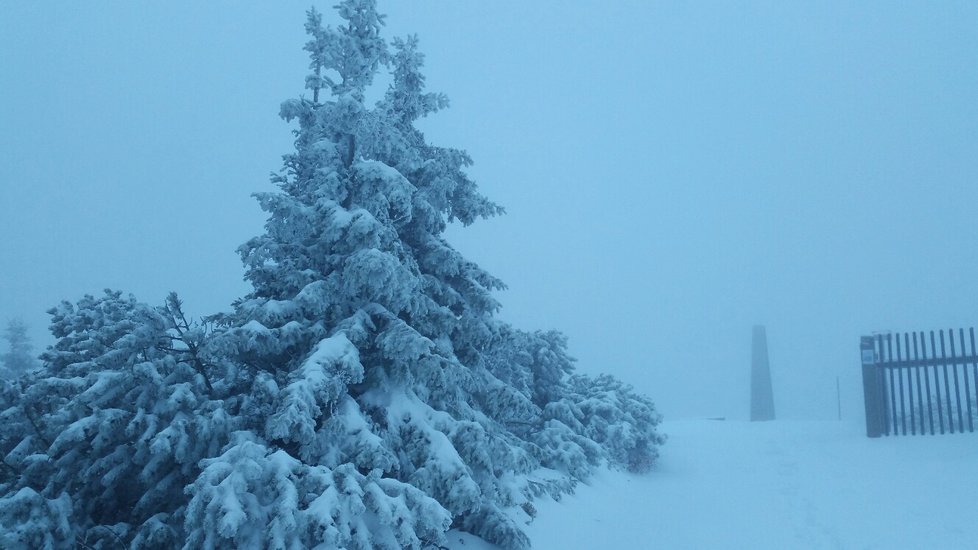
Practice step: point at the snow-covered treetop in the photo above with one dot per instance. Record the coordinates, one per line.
(354, 51)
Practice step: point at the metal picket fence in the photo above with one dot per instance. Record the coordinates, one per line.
(919, 383)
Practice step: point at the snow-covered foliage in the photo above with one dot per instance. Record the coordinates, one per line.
(109, 433)
(363, 395)
(18, 359)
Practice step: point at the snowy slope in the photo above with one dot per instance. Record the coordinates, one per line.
(784, 484)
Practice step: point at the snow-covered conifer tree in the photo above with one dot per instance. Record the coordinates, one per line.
(377, 338)
(108, 434)
(18, 359)
(362, 395)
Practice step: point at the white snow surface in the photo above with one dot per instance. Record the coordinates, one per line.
(779, 485)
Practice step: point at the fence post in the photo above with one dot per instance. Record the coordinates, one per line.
(872, 388)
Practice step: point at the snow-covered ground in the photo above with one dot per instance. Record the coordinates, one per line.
(781, 485)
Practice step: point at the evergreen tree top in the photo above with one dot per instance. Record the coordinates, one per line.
(19, 357)
(353, 51)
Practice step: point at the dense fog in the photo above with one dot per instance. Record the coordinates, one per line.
(673, 174)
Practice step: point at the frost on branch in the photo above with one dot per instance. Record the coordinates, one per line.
(112, 427)
(253, 497)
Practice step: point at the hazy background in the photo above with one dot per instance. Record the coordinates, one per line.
(673, 172)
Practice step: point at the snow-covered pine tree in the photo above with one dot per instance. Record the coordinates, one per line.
(363, 395)
(99, 444)
(18, 359)
(387, 374)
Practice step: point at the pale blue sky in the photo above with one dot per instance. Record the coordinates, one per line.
(673, 172)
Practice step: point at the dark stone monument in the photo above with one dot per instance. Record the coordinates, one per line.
(761, 394)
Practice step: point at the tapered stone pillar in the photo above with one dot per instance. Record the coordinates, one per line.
(761, 393)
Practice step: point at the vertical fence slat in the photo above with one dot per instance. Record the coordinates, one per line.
(889, 428)
(910, 385)
(957, 386)
(920, 394)
(937, 383)
(879, 382)
(947, 385)
(930, 406)
(899, 371)
(892, 393)
(967, 387)
(974, 364)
